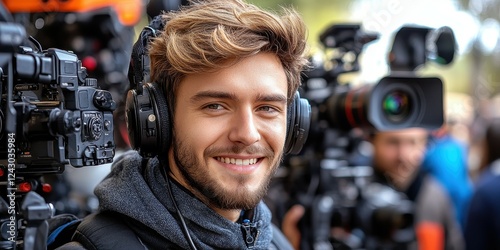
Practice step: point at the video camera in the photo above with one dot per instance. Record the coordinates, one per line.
(55, 113)
(52, 114)
(332, 177)
(399, 100)
(99, 33)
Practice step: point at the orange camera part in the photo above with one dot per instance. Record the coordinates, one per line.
(128, 11)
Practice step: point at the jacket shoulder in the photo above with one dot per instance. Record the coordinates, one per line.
(105, 230)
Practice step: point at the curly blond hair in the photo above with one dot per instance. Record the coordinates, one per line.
(206, 36)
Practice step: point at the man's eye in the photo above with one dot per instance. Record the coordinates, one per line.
(213, 106)
(268, 109)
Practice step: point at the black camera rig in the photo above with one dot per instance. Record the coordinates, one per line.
(332, 177)
(52, 115)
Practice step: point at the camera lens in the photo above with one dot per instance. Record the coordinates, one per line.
(396, 105)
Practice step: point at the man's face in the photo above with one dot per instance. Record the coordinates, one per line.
(398, 154)
(229, 131)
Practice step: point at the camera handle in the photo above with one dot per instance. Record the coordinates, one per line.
(36, 212)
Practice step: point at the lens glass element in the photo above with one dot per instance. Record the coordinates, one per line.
(396, 106)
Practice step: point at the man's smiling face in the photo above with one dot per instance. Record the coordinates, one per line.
(229, 131)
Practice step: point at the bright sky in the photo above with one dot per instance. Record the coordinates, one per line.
(386, 16)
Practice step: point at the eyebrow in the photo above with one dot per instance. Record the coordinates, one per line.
(213, 94)
(226, 95)
(272, 98)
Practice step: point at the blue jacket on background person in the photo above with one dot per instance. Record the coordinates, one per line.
(446, 160)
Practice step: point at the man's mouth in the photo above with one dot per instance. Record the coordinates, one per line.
(236, 161)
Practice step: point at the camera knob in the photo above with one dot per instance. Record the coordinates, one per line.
(104, 100)
(63, 122)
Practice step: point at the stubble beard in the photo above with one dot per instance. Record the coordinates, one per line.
(198, 177)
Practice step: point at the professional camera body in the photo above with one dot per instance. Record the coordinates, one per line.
(399, 100)
(52, 115)
(333, 177)
(58, 113)
(99, 32)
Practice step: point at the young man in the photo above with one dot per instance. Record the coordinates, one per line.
(230, 72)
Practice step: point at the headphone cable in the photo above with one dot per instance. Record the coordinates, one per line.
(184, 228)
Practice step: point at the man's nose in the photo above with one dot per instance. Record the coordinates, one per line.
(244, 128)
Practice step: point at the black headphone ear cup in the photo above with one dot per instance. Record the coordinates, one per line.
(298, 123)
(164, 119)
(132, 118)
(290, 123)
(148, 121)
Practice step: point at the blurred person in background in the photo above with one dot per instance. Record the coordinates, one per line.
(482, 225)
(397, 157)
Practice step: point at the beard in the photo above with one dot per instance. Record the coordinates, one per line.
(400, 174)
(198, 176)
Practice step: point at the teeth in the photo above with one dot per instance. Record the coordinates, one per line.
(237, 161)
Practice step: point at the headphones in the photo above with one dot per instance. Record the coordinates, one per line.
(147, 113)
(149, 122)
